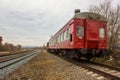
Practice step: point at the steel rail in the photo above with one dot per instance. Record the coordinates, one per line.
(110, 76)
(3, 55)
(15, 61)
(11, 57)
(102, 65)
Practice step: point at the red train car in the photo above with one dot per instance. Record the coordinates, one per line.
(85, 35)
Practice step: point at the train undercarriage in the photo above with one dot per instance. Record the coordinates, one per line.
(88, 54)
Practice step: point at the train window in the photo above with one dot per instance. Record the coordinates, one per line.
(56, 40)
(64, 35)
(61, 37)
(53, 42)
(79, 31)
(67, 34)
(102, 33)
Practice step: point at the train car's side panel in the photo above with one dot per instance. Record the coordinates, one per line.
(64, 42)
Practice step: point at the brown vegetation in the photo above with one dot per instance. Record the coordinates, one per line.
(9, 47)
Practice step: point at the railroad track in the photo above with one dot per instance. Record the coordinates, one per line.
(13, 56)
(3, 55)
(12, 62)
(109, 72)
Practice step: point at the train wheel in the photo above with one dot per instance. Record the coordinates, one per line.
(72, 54)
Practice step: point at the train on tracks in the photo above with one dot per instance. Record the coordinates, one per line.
(85, 35)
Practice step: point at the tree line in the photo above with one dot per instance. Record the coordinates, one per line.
(9, 47)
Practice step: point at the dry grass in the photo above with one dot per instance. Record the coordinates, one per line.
(12, 52)
(4, 52)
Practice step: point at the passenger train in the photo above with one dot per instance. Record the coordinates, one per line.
(85, 35)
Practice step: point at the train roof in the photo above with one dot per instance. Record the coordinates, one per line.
(86, 15)
(90, 15)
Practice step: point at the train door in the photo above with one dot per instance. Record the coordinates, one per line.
(92, 34)
(71, 34)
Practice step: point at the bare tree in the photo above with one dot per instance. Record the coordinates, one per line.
(18, 47)
(9, 47)
(1, 48)
(113, 16)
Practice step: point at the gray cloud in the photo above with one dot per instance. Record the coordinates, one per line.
(32, 22)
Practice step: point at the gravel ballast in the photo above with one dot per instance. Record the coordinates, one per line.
(46, 66)
(9, 66)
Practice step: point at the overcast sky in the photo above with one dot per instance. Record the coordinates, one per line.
(32, 22)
